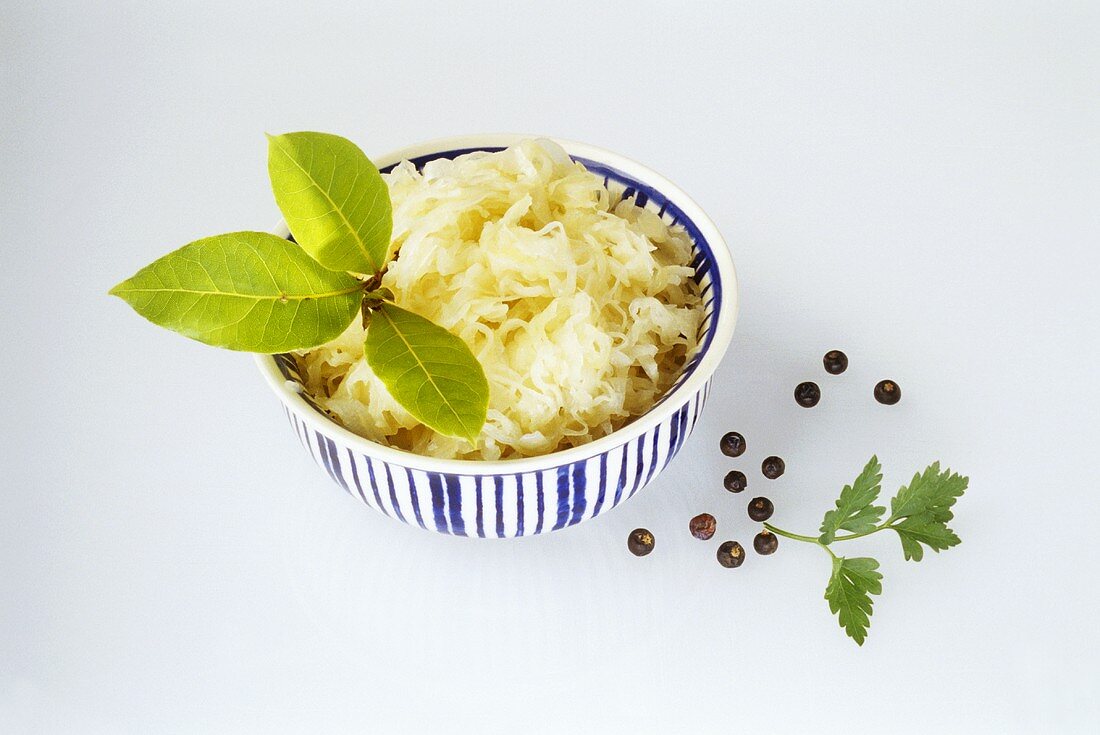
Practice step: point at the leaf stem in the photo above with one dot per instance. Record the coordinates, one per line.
(788, 534)
(881, 527)
(378, 295)
(799, 537)
(861, 534)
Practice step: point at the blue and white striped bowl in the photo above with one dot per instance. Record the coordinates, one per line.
(523, 497)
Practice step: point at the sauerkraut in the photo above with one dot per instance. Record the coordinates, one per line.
(582, 309)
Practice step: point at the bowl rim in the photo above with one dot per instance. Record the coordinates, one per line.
(723, 330)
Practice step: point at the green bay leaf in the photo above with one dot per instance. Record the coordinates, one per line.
(333, 199)
(250, 291)
(428, 370)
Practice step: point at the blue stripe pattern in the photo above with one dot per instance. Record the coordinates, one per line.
(498, 496)
(563, 496)
(579, 490)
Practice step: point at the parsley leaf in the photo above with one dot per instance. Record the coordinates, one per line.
(925, 508)
(919, 514)
(931, 491)
(854, 510)
(849, 594)
(924, 529)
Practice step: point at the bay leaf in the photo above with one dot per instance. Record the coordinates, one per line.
(428, 370)
(250, 291)
(333, 199)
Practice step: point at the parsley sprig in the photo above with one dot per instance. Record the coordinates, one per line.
(919, 513)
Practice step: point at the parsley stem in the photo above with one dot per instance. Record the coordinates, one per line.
(788, 534)
(850, 536)
(861, 534)
(799, 537)
(815, 540)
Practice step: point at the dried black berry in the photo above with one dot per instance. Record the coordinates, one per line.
(887, 392)
(702, 526)
(760, 509)
(765, 543)
(640, 542)
(735, 481)
(835, 361)
(772, 467)
(807, 394)
(733, 444)
(730, 554)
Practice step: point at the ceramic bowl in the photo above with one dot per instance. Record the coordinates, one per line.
(524, 497)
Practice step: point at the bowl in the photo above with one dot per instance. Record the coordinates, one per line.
(532, 495)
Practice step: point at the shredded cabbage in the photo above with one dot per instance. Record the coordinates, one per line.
(581, 309)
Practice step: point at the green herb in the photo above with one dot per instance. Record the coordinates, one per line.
(429, 370)
(851, 585)
(256, 292)
(854, 509)
(918, 514)
(244, 291)
(333, 199)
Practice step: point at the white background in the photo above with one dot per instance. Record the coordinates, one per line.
(917, 184)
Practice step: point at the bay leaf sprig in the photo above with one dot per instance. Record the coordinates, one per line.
(333, 199)
(427, 370)
(919, 514)
(248, 291)
(256, 292)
